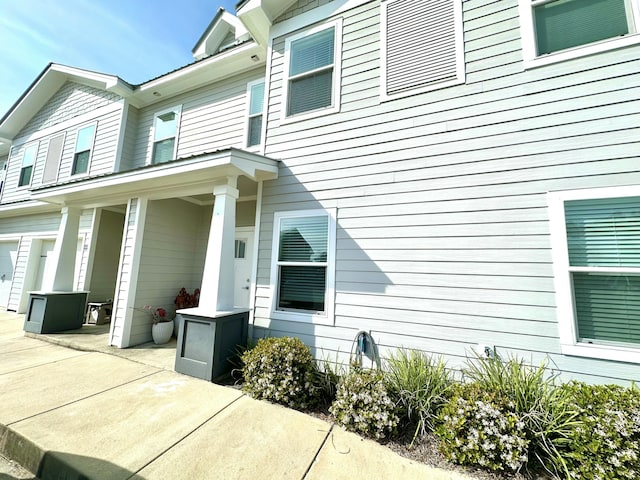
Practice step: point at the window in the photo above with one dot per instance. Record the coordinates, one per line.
(28, 159)
(255, 92)
(565, 29)
(165, 132)
(84, 145)
(422, 46)
(312, 61)
(303, 268)
(597, 267)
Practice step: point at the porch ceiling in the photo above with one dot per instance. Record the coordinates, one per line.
(184, 177)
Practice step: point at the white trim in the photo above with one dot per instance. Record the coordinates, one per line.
(322, 318)
(336, 76)
(122, 135)
(93, 124)
(178, 111)
(459, 53)
(529, 46)
(565, 305)
(250, 85)
(254, 260)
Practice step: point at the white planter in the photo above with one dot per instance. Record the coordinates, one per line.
(161, 332)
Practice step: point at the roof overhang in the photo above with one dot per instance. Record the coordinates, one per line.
(228, 63)
(29, 207)
(186, 177)
(220, 27)
(259, 15)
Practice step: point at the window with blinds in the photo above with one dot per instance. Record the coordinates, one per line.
(564, 24)
(422, 45)
(603, 242)
(302, 263)
(165, 131)
(303, 267)
(313, 70)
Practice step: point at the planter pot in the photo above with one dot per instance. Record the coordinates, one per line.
(161, 332)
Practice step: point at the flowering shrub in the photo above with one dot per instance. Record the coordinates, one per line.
(606, 442)
(280, 370)
(479, 429)
(363, 405)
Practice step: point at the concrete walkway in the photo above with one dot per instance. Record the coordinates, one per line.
(66, 413)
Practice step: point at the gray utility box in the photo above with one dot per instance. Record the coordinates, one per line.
(207, 344)
(50, 312)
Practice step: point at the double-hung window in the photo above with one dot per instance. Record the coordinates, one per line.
(554, 30)
(28, 160)
(596, 242)
(255, 92)
(82, 153)
(422, 46)
(312, 62)
(303, 268)
(165, 132)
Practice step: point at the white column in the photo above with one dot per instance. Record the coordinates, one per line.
(60, 278)
(218, 283)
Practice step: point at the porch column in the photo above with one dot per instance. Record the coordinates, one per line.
(218, 279)
(64, 253)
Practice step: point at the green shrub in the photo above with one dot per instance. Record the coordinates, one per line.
(605, 445)
(421, 383)
(363, 404)
(280, 370)
(480, 428)
(531, 394)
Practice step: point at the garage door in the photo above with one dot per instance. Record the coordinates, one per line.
(8, 256)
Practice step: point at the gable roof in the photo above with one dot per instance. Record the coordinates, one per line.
(222, 25)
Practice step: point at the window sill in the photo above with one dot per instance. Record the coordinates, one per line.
(602, 352)
(577, 52)
(302, 317)
(312, 114)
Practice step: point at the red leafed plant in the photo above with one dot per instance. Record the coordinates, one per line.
(158, 314)
(187, 300)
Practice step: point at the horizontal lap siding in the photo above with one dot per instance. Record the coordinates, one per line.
(212, 118)
(70, 101)
(443, 236)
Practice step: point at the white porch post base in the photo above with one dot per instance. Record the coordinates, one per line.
(217, 290)
(64, 253)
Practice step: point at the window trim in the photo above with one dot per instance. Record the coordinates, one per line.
(33, 164)
(75, 149)
(529, 45)
(323, 318)
(152, 141)
(460, 61)
(565, 303)
(336, 80)
(250, 85)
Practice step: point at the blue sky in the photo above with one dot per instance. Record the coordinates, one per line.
(134, 39)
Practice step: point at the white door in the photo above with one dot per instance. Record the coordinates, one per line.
(8, 256)
(45, 265)
(243, 258)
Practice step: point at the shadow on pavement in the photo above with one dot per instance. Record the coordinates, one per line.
(60, 465)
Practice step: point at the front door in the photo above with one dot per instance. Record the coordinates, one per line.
(243, 259)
